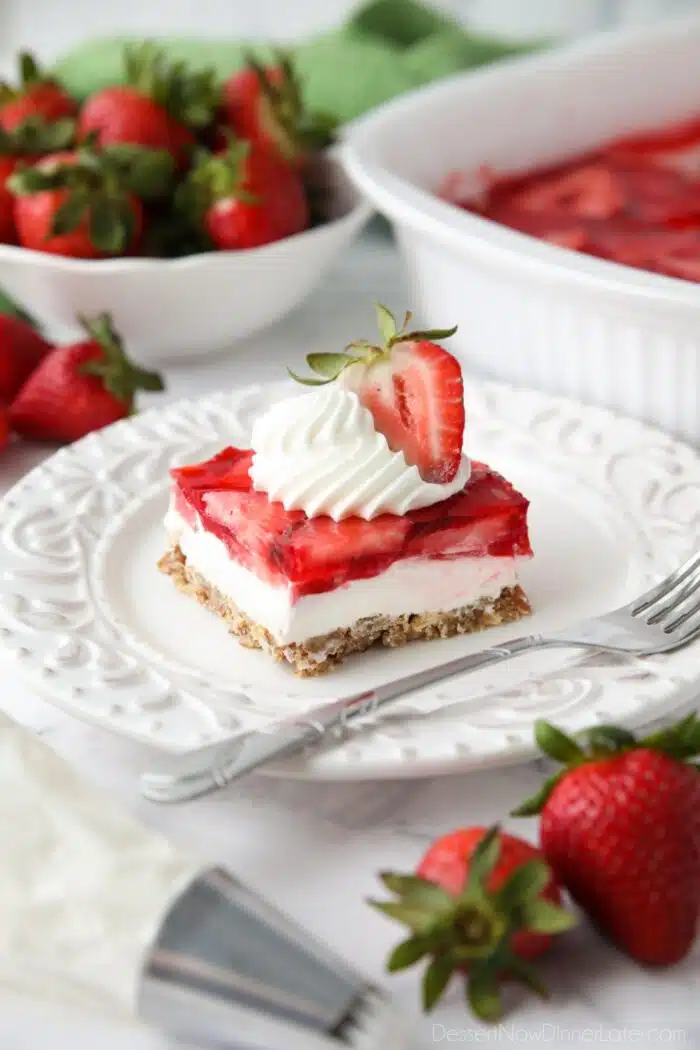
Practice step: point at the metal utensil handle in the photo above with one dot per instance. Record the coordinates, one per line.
(256, 749)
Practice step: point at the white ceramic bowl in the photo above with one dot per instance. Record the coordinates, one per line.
(530, 312)
(188, 307)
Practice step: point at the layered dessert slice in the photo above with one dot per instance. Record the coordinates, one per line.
(323, 539)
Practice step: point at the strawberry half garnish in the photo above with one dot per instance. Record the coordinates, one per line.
(412, 387)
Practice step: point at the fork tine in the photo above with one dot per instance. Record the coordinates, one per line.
(683, 618)
(688, 632)
(675, 598)
(644, 601)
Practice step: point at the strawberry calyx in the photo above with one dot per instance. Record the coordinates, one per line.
(191, 97)
(472, 933)
(36, 136)
(330, 366)
(119, 375)
(680, 741)
(101, 187)
(30, 76)
(295, 130)
(215, 177)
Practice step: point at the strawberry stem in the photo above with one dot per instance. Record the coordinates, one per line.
(330, 366)
(191, 97)
(119, 375)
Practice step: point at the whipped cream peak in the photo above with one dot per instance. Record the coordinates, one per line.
(321, 453)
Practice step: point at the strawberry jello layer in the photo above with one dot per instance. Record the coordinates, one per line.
(300, 578)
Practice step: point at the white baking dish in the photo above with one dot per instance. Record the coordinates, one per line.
(530, 312)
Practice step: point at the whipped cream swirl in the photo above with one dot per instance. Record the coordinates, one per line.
(320, 453)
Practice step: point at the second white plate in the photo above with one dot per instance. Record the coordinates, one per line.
(614, 505)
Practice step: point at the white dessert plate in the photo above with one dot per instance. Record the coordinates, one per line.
(614, 506)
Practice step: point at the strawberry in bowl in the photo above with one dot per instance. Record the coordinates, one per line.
(194, 211)
(355, 518)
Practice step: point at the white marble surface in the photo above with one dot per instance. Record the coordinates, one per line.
(314, 849)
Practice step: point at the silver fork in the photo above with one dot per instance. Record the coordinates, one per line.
(664, 618)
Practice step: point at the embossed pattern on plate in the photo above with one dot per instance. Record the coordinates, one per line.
(615, 505)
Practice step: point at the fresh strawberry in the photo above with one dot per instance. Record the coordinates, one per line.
(620, 827)
(29, 141)
(4, 427)
(80, 388)
(21, 350)
(37, 96)
(244, 197)
(482, 903)
(87, 204)
(160, 106)
(8, 233)
(412, 387)
(264, 105)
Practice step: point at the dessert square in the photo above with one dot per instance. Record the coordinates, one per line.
(355, 518)
(311, 591)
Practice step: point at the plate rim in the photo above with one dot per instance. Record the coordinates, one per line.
(51, 685)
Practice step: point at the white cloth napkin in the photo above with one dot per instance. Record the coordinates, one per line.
(83, 887)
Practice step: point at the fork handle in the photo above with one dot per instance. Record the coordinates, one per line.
(240, 757)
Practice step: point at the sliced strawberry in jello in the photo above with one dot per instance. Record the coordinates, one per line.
(228, 469)
(314, 555)
(322, 549)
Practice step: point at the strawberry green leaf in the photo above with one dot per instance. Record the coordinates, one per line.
(610, 739)
(680, 741)
(111, 225)
(119, 375)
(69, 215)
(147, 173)
(524, 973)
(483, 995)
(556, 744)
(522, 886)
(541, 916)
(433, 335)
(418, 919)
(329, 365)
(406, 954)
(435, 980)
(29, 71)
(484, 859)
(414, 889)
(532, 806)
(386, 323)
(308, 382)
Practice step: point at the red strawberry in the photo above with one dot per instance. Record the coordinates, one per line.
(31, 140)
(37, 96)
(8, 233)
(4, 427)
(159, 107)
(412, 387)
(86, 204)
(620, 827)
(21, 350)
(80, 388)
(264, 105)
(482, 903)
(244, 197)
